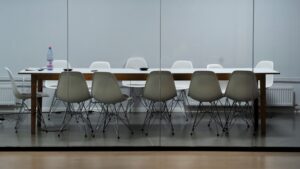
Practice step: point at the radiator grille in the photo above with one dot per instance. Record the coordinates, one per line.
(280, 96)
(6, 96)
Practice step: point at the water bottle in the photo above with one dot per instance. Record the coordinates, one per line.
(50, 58)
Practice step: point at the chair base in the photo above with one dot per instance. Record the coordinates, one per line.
(78, 115)
(213, 111)
(112, 112)
(241, 110)
(152, 113)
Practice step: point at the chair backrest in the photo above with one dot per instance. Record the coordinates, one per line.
(204, 86)
(105, 88)
(182, 64)
(16, 92)
(72, 87)
(136, 62)
(61, 64)
(214, 66)
(100, 65)
(242, 86)
(267, 65)
(160, 86)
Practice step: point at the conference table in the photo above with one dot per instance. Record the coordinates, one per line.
(40, 75)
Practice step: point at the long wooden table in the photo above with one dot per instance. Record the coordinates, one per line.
(37, 78)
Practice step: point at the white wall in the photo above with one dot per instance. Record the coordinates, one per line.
(278, 34)
(204, 31)
(207, 31)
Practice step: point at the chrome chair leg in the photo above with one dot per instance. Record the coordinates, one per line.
(238, 110)
(196, 121)
(79, 115)
(184, 99)
(19, 116)
(114, 112)
(53, 102)
(164, 114)
(202, 111)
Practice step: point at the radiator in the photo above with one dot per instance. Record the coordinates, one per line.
(6, 96)
(280, 96)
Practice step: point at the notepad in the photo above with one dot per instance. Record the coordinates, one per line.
(34, 69)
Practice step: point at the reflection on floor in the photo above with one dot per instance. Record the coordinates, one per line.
(282, 131)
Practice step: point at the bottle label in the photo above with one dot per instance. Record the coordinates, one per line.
(49, 65)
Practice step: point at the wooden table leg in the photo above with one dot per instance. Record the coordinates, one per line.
(33, 104)
(263, 112)
(39, 103)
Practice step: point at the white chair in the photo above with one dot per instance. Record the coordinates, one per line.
(223, 83)
(214, 66)
(265, 64)
(135, 86)
(23, 96)
(135, 63)
(95, 66)
(52, 84)
(182, 86)
(99, 65)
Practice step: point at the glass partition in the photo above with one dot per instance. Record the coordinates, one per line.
(181, 36)
(124, 33)
(211, 34)
(28, 29)
(276, 47)
(207, 32)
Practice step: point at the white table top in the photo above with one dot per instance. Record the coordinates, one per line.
(137, 71)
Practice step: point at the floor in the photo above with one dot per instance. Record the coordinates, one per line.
(282, 131)
(149, 160)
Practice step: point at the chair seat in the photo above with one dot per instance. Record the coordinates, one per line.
(134, 84)
(51, 84)
(119, 100)
(182, 85)
(52, 87)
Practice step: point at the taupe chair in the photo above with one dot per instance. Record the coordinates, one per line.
(241, 92)
(52, 84)
(96, 66)
(107, 93)
(159, 89)
(223, 83)
(72, 90)
(23, 97)
(205, 87)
